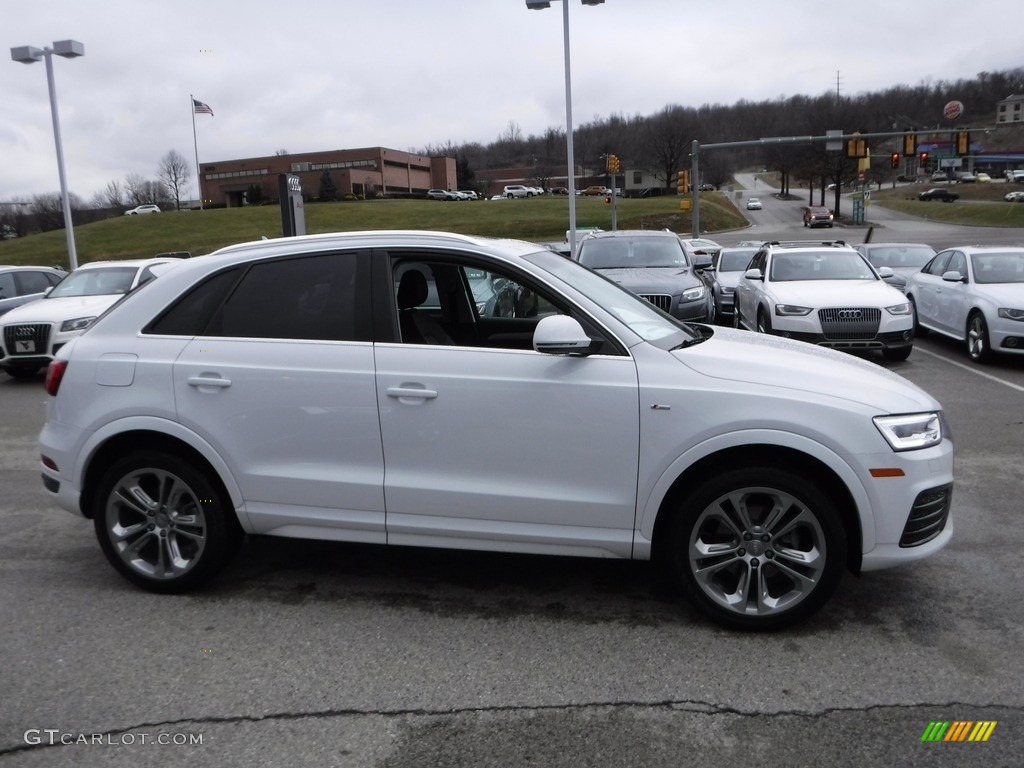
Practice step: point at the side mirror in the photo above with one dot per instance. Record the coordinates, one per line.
(952, 276)
(701, 261)
(561, 335)
(753, 274)
(884, 272)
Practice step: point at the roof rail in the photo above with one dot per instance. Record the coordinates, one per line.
(805, 243)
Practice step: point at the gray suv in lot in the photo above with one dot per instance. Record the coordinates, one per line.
(20, 285)
(654, 265)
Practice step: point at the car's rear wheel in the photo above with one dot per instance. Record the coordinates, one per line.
(977, 338)
(162, 523)
(757, 547)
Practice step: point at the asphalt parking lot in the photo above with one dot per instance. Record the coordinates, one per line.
(312, 653)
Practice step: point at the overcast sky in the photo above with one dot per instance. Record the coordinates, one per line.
(311, 75)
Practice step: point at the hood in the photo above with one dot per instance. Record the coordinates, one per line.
(838, 293)
(1002, 294)
(670, 280)
(774, 361)
(59, 309)
(729, 279)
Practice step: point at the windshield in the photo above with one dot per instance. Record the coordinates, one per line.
(625, 253)
(735, 261)
(100, 281)
(820, 265)
(643, 318)
(998, 267)
(900, 256)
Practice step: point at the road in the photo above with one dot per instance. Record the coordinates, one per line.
(321, 654)
(781, 219)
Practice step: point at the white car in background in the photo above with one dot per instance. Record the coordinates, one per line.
(142, 209)
(974, 295)
(31, 334)
(825, 293)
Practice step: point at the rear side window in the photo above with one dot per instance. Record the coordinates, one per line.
(32, 282)
(190, 314)
(320, 297)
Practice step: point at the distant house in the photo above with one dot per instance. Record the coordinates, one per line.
(1010, 110)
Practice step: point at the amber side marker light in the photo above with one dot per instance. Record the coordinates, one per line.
(886, 472)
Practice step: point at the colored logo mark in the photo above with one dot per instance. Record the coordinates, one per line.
(958, 730)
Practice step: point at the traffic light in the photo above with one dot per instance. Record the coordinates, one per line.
(683, 183)
(894, 160)
(924, 158)
(910, 145)
(613, 164)
(856, 148)
(963, 143)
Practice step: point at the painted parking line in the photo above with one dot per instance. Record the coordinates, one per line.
(974, 370)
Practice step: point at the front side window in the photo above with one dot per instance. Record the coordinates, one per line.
(938, 264)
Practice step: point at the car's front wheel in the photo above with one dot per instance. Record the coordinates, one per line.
(895, 354)
(977, 339)
(162, 523)
(756, 547)
(764, 324)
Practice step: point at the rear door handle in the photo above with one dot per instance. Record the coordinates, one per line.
(209, 381)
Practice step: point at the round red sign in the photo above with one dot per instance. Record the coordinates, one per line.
(953, 110)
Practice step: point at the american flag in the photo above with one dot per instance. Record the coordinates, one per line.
(201, 109)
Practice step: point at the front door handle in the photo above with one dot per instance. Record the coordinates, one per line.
(415, 393)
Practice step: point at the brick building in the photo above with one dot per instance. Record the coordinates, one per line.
(372, 172)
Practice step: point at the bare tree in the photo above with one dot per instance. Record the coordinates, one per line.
(174, 173)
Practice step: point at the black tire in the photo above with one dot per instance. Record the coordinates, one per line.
(764, 323)
(895, 354)
(22, 373)
(978, 348)
(162, 523)
(761, 522)
(919, 330)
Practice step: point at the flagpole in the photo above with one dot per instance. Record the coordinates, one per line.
(195, 144)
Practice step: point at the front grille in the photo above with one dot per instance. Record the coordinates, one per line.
(660, 300)
(927, 516)
(849, 323)
(29, 339)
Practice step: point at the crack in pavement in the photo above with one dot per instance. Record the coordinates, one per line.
(681, 705)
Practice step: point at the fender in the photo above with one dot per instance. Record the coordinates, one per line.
(650, 505)
(165, 427)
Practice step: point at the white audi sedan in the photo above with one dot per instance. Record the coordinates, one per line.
(351, 387)
(31, 334)
(974, 295)
(825, 293)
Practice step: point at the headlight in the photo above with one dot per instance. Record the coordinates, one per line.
(899, 309)
(78, 324)
(912, 431)
(1010, 314)
(692, 294)
(792, 310)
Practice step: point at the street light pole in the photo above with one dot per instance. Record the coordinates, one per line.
(69, 49)
(570, 155)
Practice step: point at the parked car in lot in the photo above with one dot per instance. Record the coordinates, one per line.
(442, 194)
(824, 293)
(1014, 197)
(982, 178)
(140, 210)
(817, 216)
(516, 190)
(653, 265)
(468, 194)
(904, 259)
(31, 334)
(754, 204)
(974, 295)
(596, 191)
(20, 285)
(699, 249)
(729, 266)
(940, 176)
(757, 473)
(938, 193)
